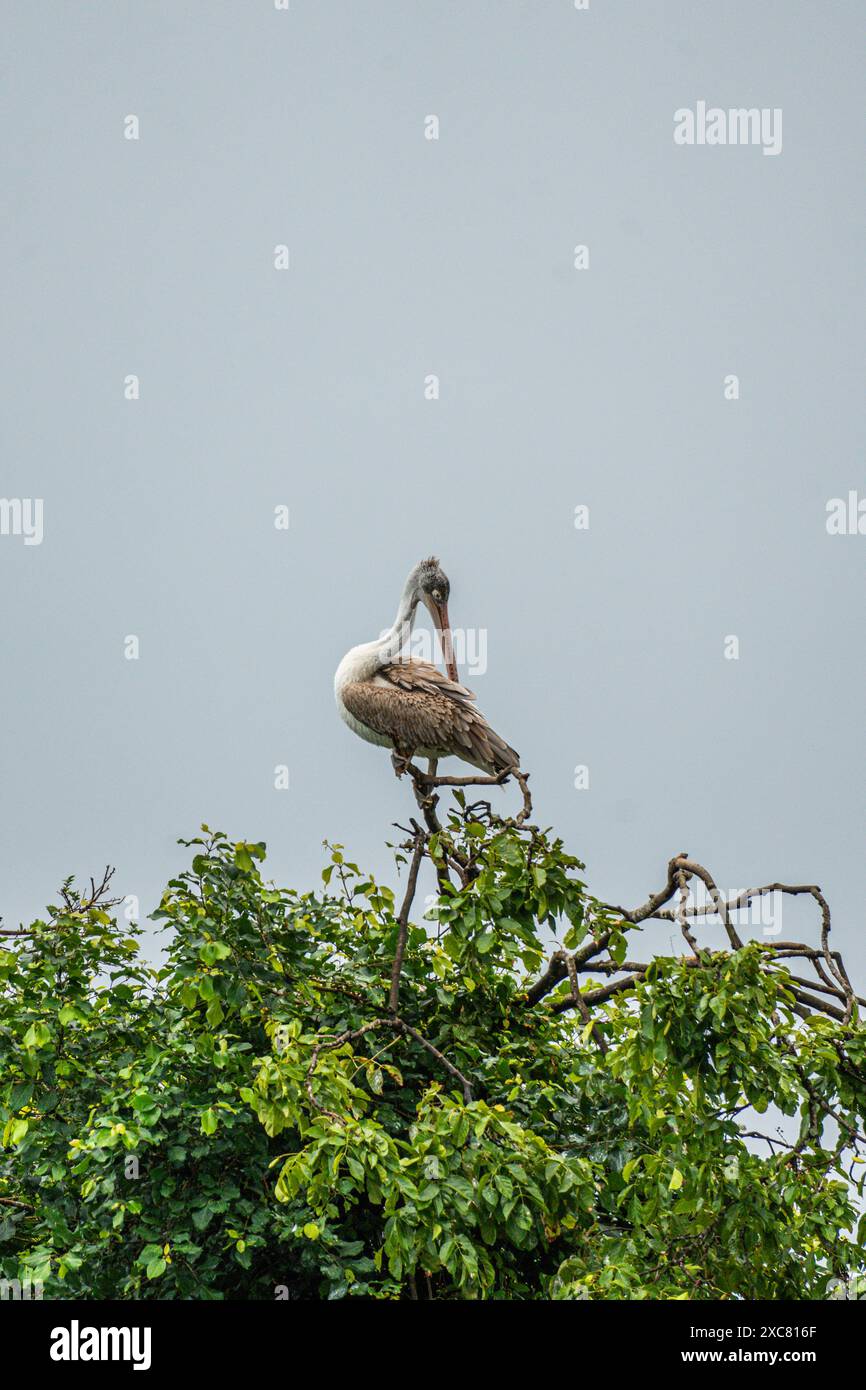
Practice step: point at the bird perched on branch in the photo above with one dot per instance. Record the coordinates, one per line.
(408, 705)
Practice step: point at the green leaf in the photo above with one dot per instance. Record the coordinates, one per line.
(37, 1035)
(15, 1132)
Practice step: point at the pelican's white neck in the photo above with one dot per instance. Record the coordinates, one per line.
(394, 640)
(362, 662)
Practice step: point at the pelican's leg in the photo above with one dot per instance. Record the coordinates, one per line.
(400, 762)
(432, 766)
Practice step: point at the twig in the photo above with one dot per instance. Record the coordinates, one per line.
(351, 1034)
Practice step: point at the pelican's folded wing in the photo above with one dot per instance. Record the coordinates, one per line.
(421, 711)
(420, 675)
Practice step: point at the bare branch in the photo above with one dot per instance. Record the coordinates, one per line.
(832, 979)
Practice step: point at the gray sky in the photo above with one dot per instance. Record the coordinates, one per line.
(558, 387)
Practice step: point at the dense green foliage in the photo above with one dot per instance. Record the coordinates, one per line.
(200, 1131)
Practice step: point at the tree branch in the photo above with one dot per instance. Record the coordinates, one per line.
(403, 919)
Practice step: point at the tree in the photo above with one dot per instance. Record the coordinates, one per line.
(320, 1095)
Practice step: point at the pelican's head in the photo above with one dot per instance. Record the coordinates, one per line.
(432, 588)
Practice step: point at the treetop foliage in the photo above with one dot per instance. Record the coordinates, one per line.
(324, 1095)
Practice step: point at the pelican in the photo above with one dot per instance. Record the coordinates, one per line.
(408, 705)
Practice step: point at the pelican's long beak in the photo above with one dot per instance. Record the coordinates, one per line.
(447, 644)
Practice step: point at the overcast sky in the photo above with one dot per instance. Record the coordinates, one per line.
(559, 387)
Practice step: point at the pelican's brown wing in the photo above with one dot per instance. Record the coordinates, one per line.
(421, 711)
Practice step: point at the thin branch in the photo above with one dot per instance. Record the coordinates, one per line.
(352, 1034)
(581, 1006)
(403, 919)
(440, 1057)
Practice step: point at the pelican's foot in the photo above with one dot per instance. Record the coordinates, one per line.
(399, 764)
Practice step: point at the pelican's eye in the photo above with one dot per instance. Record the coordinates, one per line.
(437, 594)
